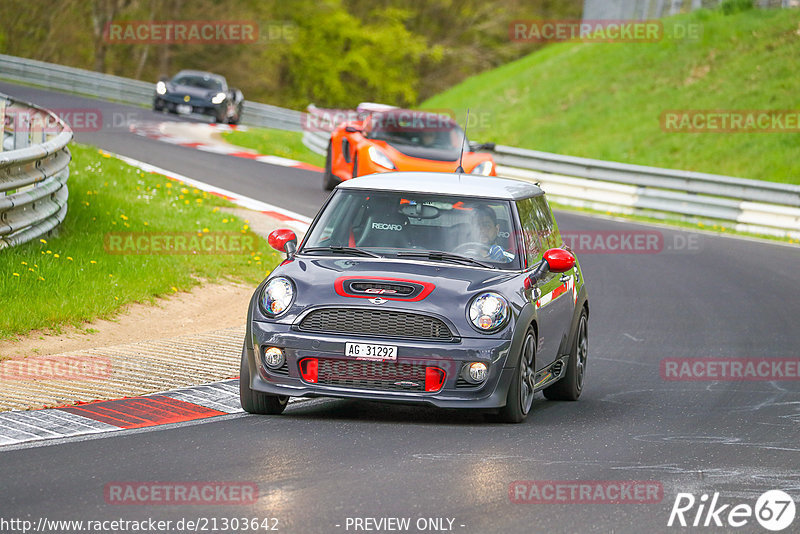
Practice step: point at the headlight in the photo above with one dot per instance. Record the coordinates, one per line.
(484, 168)
(277, 296)
(379, 156)
(488, 312)
(218, 98)
(161, 88)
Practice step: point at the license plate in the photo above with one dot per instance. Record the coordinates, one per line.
(368, 351)
(184, 108)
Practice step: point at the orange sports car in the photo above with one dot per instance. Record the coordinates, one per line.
(401, 140)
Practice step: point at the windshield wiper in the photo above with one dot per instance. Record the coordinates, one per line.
(343, 250)
(444, 256)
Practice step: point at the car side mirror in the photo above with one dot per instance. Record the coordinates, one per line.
(555, 260)
(283, 240)
(559, 260)
(351, 129)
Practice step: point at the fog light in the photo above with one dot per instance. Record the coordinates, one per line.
(274, 358)
(478, 371)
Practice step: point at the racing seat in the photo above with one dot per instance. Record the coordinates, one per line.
(384, 227)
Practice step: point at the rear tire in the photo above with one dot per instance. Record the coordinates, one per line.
(329, 181)
(520, 393)
(569, 388)
(257, 402)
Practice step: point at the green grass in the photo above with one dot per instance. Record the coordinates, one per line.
(275, 143)
(604, 101)
(70, 278)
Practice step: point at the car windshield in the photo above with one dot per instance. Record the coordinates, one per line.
(417, 129)
(442, 228)
(201, 82)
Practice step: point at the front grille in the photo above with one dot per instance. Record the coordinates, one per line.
(366, 322)
(387, 376)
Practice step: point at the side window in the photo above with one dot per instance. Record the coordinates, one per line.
(553, 237)
(531, 230)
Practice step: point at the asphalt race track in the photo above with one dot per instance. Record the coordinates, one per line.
(325, 463)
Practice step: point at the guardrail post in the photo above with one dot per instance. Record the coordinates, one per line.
(22, 129)
(2, 123)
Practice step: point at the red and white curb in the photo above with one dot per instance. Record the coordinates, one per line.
(162, 131)
(98, 417)
(297, 221)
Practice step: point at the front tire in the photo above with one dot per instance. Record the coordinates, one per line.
(569, 388)
(520, 394)
(329, 181)
(257, 402)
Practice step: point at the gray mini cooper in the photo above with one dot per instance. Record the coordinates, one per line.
(446, 289)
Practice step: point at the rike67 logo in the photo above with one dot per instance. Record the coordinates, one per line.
(774, 510)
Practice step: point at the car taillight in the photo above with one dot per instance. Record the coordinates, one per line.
(308, 369)
(434, 379)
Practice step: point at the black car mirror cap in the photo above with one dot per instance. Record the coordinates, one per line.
(351, 129)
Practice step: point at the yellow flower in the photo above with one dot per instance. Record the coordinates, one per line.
(185, 201)
(92, 261)
(116, 298)
(56, 256)
(15, 274)
(146, 223)
(257, 258)
(42, 279)
(167, 185)
(224, 221)
(31, 270)
(49, 251)
(88, 192)
(199, 200)
(184, 190)
(215, 210)
(175, 289)
(35, 265)
(42, 241)
(205, 230)
(123, 217)
(195, 191)
(24, 262)
(245, 227)
(110, 275)
(180, 197)
(69, 258)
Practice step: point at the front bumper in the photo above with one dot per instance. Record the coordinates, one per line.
(448, 356)
(199, 107)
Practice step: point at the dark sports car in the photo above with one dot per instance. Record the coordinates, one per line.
(201, 93)
(447, 289)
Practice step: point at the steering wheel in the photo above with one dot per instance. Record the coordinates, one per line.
(472, 248)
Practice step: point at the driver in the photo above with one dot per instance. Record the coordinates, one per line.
(428, 138)
(488, 231)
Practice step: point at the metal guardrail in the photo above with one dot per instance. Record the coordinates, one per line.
(126, 90)
(34, 168)
(752, 206)
(747, 205)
